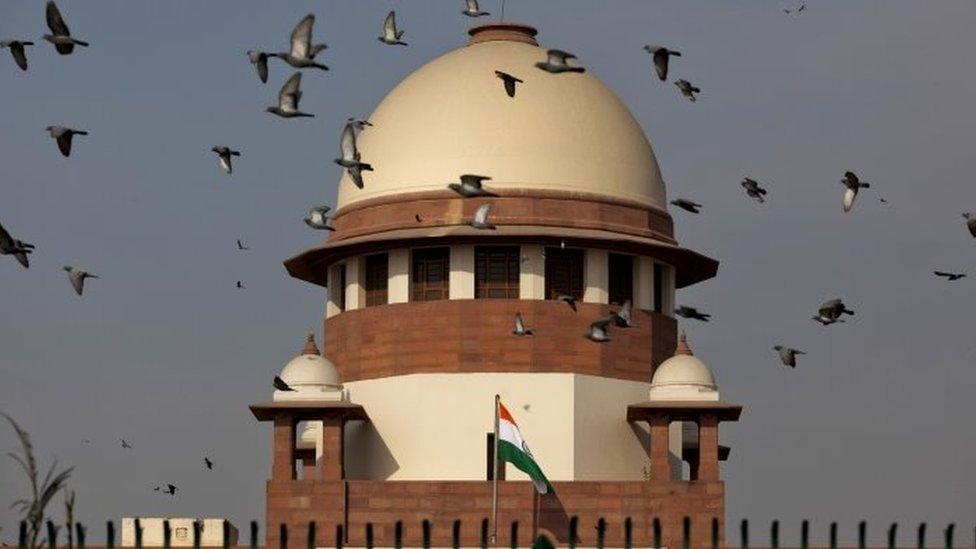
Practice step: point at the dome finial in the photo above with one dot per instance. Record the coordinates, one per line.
(683, 348)
(310, 347)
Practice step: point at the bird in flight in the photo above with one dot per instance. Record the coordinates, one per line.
(125, 444)
(687, 89)
(170, 489)
(555, 62)
(472, 10)
(509, 81)
(788, 355)
(224, 155)
(754, 190)
(288, 98)
(950, 276)
(317, 219)
(471, 186)
(77, 278)
(60, 36)
(853, 184)
(520, 329)
(831, 311)
(391, 36)
(259, 59)
(241, 246)
(281, 385)
(687, 205)
(11, 246)
(359, 123)
(240, 285)
(63, 136)
(17, 51)
(302, 53)
(208, 463)
(480, 220)
(970, 222)
(600, 330)
(691, 312)
(623, 318)
(349, 155)
(661, 56)
(567, 299)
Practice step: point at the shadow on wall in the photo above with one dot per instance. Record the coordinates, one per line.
(373, 459)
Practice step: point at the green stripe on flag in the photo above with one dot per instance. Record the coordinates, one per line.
(523, 461)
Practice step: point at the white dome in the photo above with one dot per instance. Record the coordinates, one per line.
(683, 377)
(311, 375)
(561, 132)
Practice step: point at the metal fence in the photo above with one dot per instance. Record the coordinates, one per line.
(78, 540)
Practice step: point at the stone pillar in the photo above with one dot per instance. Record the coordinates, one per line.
(332, 464)
(660, 469)
(707, 448)
(461, 275)
(596, 276)
(283, 459)
(355, 283)
(644, 283)
(398, 286)
(532, 273)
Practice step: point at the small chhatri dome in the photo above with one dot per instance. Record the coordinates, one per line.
(312, 376)
(683, 377)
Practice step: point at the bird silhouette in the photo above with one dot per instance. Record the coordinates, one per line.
(281, 385)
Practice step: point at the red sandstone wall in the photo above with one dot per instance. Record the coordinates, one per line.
(382, 503)
(475, 335)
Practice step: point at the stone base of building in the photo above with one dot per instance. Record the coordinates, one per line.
(356, 503)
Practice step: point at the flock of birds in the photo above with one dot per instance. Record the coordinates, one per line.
(303, 53)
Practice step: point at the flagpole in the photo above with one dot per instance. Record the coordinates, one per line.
(494, 480)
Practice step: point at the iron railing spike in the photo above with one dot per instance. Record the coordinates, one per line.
(311, 535)
(514, 540)
(254, 534)
(744, 533)
(833, 535)
(949, 531)
(656, 526)
(892, 533)
(456, 534)
(862, 534)
(805, 534)
(774, 534)
(167, 541)
(425, 531)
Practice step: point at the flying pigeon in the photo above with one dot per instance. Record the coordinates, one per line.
(686, 205)
(77, 278)
(853, 184)
(510, 82)
(391, 36)
(830, 312)
(61, 36)
(241, 246)
(240, 284)
(600, 330)
(125, 444)
(950, 276)
(260, 61)
(568, 299)
(472, 9)
(556, 62)
(687, 89)
(661, 55)
(17, 50)
(520, 326)
(349, 156)
(63, 136)
(170, 489)
(208, 463)
(156, 489)
(288, 99)
(691, 312)
(623, 317)
(788, 355)
(480, 220)
(302, 53)
(358, 123)
(754, 190)
(470, 186)
(11, 246)
(971, 222)
(281, 385)
(224, 153)
(317, 219)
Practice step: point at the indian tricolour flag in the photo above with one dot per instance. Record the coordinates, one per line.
(513, 449)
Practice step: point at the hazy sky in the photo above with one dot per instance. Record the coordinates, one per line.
(876, 422)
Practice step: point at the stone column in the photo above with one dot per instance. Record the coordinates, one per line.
(660, 470)
(461, 275)
(332, 464)
(283, 459)
(398, 286)
(596, 277)
(707, 447)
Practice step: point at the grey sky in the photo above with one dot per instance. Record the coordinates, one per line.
(875, 423)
